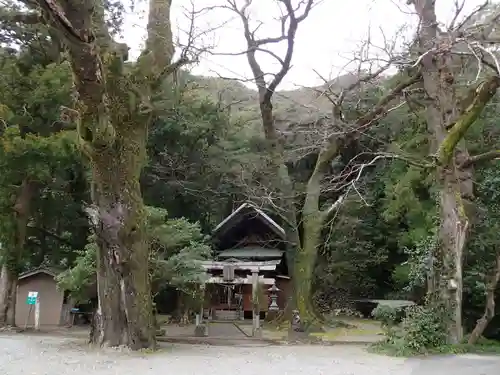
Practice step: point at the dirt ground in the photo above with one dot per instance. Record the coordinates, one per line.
(56, 355)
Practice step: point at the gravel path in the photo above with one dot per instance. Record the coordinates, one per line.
(36, 355)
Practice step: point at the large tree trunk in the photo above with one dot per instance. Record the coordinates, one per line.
(441, 112)
(449, 124)
(124, 315)
(313, 220)
(305, 261)
(286, 193)
(112, 118)
(114, 141)
(489, 309)
(13, 253)
(8, 286)
(453, 232)
(313, 217)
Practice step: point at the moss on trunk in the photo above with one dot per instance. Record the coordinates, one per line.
(113, 113)
(125, 314)
(453, 231)
(313, 220)
(484, 92)
(449, 125)
(305, 258)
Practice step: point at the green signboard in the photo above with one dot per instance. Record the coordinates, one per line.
(32, 297)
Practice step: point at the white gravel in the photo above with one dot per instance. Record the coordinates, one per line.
(37, 355)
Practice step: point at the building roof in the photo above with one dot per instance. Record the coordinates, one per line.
(245, 207)
(255, 266)
(251, 252)
(51, 271)
(240, 280)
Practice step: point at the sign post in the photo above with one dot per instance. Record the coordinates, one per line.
(32, 297)
(33, 300)
(37, 314)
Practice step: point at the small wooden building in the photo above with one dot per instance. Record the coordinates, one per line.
(53, 311)
(247, 242)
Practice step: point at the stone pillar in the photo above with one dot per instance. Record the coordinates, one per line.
(255, 304)
(201, 328)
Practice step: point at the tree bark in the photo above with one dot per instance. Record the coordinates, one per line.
(124, 315)
(8, 286)
(489, 310)
(449, 124)
(112, 117)
(13, 253)
(313, 220)
(441, 111)
(114, 141)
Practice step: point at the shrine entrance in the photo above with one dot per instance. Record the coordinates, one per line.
(226, 301)
(249, 259)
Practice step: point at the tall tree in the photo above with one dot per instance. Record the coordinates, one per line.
(304, 247)
(35, 154)
(449, 119)
(113, 110)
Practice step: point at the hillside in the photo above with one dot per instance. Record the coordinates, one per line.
(304, 105)
(294, 106)
(300, 115)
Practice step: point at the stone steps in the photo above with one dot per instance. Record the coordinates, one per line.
(226, 315)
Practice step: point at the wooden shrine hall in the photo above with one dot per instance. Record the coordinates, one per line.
(249, 250)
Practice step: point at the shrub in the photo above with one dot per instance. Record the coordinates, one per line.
(387, 315)
(422, 330)
(424, 327)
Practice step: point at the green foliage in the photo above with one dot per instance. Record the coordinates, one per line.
(34, 147)
(81, 276)
(177, 246)
(484, 346)
(419, 263)
(359, 250)
(189, 164)
(387, 315)
(206, 152)
(482, 248)
(423, 329)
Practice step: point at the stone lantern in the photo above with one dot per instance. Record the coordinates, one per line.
(273, 293)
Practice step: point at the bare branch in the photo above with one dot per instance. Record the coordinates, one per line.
(463, 25)
(459, 6)
(333, 209)
(344, 179)
(290, 16)
(380, 109)
(481, 158)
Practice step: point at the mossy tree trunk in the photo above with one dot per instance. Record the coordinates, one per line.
(303, 254)
(112, 116)
(454, 176)
(125, 305)
(448, 123)
(313, 220)
(314, 217)
(13, 252)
